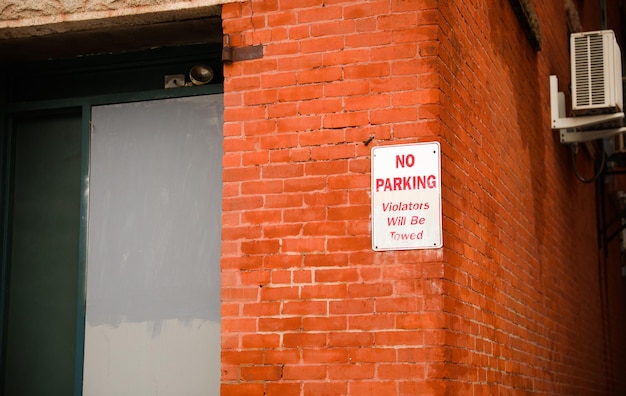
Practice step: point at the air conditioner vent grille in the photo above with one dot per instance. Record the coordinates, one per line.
(589, 70)
(596, 69)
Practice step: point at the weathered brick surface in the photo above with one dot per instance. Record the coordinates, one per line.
(511, 304)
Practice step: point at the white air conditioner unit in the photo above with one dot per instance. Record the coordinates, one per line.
(596, 65)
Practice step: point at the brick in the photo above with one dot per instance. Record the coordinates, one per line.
(408, 5)
(343, 182)
(326, 168)
(402, 114)
(403, 304)
(322, 137)
(230, 373)
(352, 372)
(282, 357)
(295, 4)
(277, 80)
(304, 215)
(260, 97)
(241, 233)
(261, 217)
(300, 245)
(376, 387)
(371, 322)
(364, 10)
(305, 184)
(325, 260)
(261, 187)
(282, 388)
(327, 13)
(396, 20)
(283, 200)
(239, 357)
(320, 106)
(420, 34)
(305, 372)
(330, 198)
(259, 341)
(282, 171)
(240, 263)
(347, 88)
(281, 141)
(402, 371)
(369, 70)
(238, 324)
(420, 321)
(279, 19)
(261, 309)
(279, 324)
(345, 120)
(256, 127)
(398, 51)
(281, 49)
(304, 340)
(299, 124)
(361, 290)
(282, 261)
(336, 275)
(422, 388)
(241, 84)
(396, 83)
(367, 38)
(333, 28)
(350, 339)
(240, 294)
(352, 306)
(282, 230)
(320, 44)
(240, 174)
(264, 373)
(299, 62)
(260, 247)
(324, 291)
(325, 355)
(401, 338)
(311, 388)
(354, 212)
(259, 278)
(280, 293)
(324, 228)
(242, 389)
(300, 93)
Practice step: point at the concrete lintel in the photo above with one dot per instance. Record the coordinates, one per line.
(93, 20)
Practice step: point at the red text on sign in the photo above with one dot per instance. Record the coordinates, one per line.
(406, 183)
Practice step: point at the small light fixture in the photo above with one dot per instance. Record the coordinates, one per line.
(200, 74)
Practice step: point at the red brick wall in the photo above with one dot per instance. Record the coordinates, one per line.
(512, 303)
(522, 263)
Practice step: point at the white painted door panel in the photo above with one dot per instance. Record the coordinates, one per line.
(153, 297)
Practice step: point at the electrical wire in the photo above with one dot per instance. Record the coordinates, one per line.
(578, 176)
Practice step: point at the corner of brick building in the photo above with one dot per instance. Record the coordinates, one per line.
(308, 308)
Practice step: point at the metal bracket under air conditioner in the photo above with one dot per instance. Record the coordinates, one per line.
(566, 125)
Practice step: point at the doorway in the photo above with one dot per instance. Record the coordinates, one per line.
(110, 215)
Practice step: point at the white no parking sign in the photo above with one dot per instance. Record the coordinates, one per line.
(406, 197)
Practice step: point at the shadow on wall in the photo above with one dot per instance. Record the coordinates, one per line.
(525, 110)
